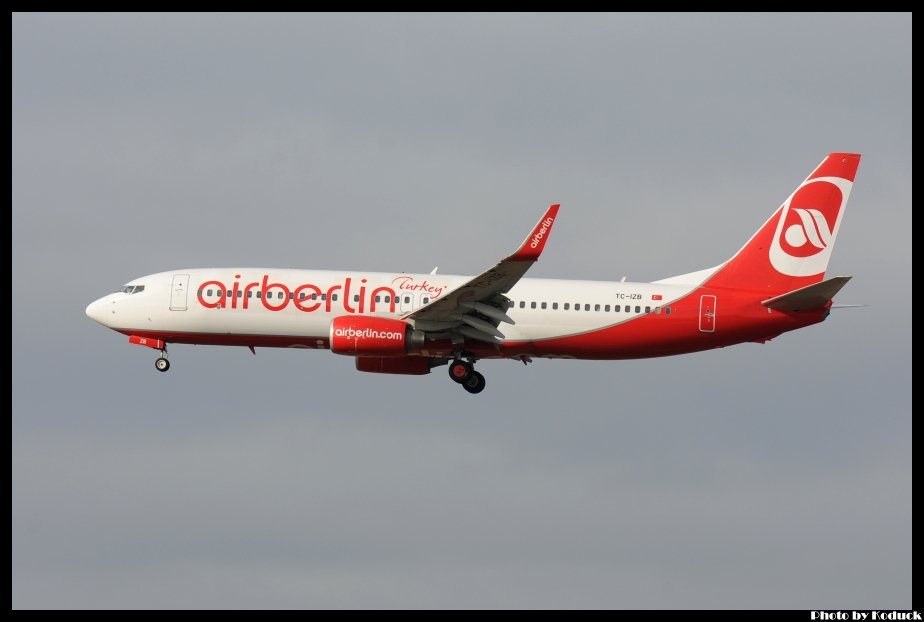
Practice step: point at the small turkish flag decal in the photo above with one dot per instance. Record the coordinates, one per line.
(656, 296)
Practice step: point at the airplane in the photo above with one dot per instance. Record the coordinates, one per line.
(401, 323)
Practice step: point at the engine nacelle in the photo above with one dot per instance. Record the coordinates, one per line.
(363, 335)
(409, 365)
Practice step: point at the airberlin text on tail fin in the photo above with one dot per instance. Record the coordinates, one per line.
(792, 249)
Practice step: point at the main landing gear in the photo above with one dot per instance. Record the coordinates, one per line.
(463, 372)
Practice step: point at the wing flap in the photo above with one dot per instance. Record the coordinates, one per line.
(474, 333)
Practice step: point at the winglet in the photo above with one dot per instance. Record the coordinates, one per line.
(534, 243)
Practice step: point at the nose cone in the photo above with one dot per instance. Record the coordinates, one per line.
(96, 311)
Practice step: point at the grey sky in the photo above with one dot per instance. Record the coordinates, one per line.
(763, 476)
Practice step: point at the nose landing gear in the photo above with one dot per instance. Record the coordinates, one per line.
(162, 364)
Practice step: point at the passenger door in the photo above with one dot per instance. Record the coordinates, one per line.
(707, 313)
(178, 292)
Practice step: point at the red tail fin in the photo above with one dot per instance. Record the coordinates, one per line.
(792, 249)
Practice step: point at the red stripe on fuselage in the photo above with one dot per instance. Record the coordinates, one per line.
(739, 318)
(226, 339)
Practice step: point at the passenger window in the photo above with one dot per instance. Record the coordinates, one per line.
(378, 299)
(667, 310)
(208, 292)
(597, 308)
(230, 292)
(426, 300)
(587, 307)
(532, 305)
(555, 306)
(543, 305)
(617, 308)
(606, 309)
(522, 304)
(333, 297)
(240, 294)
(259, 294)
(647, 309)
(567, 306)
(355, 297)
(323, 296)
(407, 300)
(638, 309)
(250, 294)
(302, 296)
(387, 299)
(577, 306)
(658, 310)
(314, 296)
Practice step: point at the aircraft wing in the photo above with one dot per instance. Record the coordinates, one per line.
(477, 308)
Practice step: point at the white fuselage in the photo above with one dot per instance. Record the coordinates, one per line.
(301, 303)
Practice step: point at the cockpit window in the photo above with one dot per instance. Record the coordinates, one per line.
(132, 289)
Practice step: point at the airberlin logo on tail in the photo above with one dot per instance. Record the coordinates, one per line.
(541, 233)
(808, 224)
(808, 236)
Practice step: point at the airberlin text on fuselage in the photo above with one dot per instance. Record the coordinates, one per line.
(306, 297)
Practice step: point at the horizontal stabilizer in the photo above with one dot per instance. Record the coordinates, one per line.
(810, 297)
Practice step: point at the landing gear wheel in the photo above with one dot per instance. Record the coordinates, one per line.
(475, 384)
(162, 364)
(460, 371)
